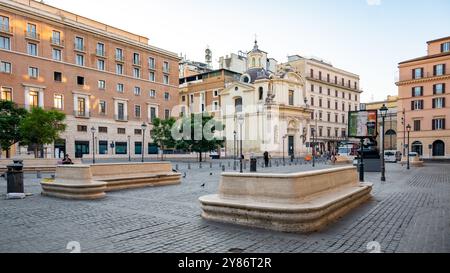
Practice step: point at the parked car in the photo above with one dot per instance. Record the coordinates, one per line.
(390, 156)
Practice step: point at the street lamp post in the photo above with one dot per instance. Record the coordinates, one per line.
(408, 128)
(93, 130)
(404, 129)
(384, 111)
(241, 122)
(144, 127)
(129, 148)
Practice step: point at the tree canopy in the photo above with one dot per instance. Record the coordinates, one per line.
(10, 118)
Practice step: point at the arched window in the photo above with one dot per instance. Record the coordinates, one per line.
(261, 93)
(253, 62)
(238, 105)
(417, 147)
(391, 138)
(438, 148)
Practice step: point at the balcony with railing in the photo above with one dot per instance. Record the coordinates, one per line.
(6, 29)
(56, 42)
(120, 58)
(82, 114)
(122, 118)
(33, 35)
(79, 47)
(424, 76)
(333, 83)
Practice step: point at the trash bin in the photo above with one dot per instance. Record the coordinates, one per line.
(253, 165)
(14, 178)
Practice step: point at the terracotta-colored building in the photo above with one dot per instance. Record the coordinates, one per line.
(423, 101)
(100, 76)
(201, 93)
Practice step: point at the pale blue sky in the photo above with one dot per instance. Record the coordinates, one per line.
(368, 40)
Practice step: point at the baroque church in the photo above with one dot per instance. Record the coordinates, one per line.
(267, 109)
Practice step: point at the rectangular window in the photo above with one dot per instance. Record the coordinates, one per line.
(312, 101)
(151, 76)
(102, 146)
(5, 43)
(57, 76)
(120, 88)
(32, 31)
(119, 55)
(80, 80)
(417, 73)
(166, 79)
(439, 70)
(102, 107)
(137, 91)
(166, 113)
(153, 114)
(33, 72)
(56, 54)
(103, 130)
(137, 111)
(79, 60)
(81, 107)
(152, 93)
(79, 43)
(320, 102)
(138, 148)
(34, 99)
(445, 47)
(101, 65)
(438, 103)
(438, 124)
(166, 96)
(121, 111)
(439, 89)
(82, 128)
(312, 87)
(166, 67)
(417, 105)
(32, 49)
(291, 97)
(102, 84)
(121, 131)
(138, 132)
(151, 63)
(417, 91)
(136, 59)
(56, 38)
(121, 148)
(101, 50)
(216, 93)
(136, 73)
(311, 73)
(417, 125)
(6, 94)
(4, 24)
(215, 106)
(58, 102)
(119, 69)
(5, 67)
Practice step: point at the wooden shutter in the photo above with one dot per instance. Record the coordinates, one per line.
(434, 89)
(443, 102)
(443, 88)
(421, 91)
(413, 94)
(444, 68)
(434, 103)
(412, 106)
(434, 124)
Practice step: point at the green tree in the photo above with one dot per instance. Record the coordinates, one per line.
(41, 127)
(201, 136)
(161, 134)
(10, 117)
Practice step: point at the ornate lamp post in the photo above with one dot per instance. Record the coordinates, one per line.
(93, 130)
(144, 127)
(383, 111)
(408, 128)
(241, 122)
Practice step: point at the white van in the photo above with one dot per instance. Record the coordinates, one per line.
(390, 156)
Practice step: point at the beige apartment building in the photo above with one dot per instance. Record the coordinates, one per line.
(102, 77)
(331, 93)
(423, 102)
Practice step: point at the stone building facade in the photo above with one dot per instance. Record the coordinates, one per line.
(101, 77)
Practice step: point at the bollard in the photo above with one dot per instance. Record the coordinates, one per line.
(189, 166)
(223, 168)
(38, 175)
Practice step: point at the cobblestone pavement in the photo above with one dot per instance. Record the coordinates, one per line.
(408, 213)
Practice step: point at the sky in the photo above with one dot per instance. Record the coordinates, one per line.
(366, 37)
